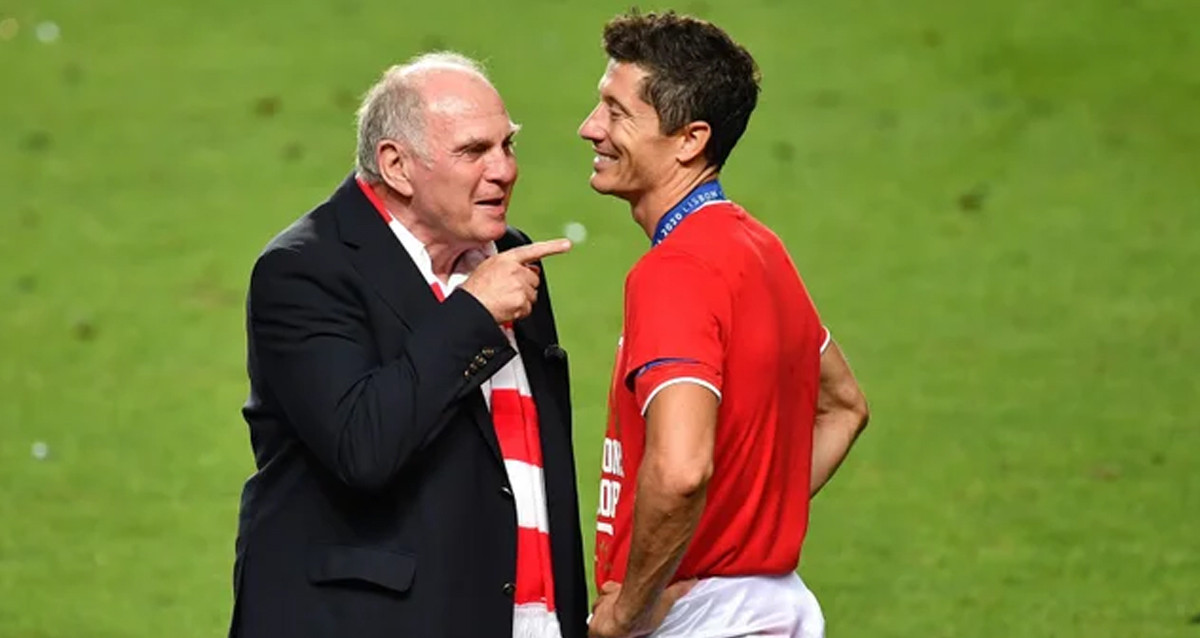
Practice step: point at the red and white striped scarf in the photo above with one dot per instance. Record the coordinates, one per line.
(514, 415)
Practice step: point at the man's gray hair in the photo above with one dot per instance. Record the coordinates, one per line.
(393, 109)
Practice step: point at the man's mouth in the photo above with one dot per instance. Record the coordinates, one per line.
(603, 158)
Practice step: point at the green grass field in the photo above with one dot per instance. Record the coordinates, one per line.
(995, 204)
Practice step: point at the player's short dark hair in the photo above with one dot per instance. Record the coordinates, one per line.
(695, 72)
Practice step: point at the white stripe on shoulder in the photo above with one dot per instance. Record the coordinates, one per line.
(828, 339)
(671, 382)
(711, 202)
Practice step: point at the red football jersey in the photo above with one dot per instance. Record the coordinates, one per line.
(719, 303)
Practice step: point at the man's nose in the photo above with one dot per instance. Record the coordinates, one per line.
(591, 128)
(502, 168)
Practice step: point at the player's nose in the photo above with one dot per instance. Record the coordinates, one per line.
(592, 129)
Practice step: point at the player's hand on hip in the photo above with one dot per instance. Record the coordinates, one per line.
(604, 622)
(608, 622)
(506, 284)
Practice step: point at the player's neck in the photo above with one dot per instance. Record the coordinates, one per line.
(652, 205)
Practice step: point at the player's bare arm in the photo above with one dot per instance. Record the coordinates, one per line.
(681, 423)
(842, 414)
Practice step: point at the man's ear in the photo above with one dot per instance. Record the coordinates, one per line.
(693, 139)
(395, 166)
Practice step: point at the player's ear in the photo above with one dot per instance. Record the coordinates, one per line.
(693, 139)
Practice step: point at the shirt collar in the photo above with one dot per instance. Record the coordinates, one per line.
(705, 193)
(463, 268)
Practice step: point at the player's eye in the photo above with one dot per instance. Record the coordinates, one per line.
(611, 110)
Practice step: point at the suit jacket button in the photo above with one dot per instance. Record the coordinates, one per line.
(487, 352)
(509, 589)
(504, 489)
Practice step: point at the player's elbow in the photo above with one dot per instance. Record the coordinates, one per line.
(681, 478)
(846, 411)
(859, 413)
(687, 483)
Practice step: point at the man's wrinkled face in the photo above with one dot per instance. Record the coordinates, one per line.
(462, 187)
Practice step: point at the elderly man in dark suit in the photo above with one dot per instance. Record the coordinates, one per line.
(409, 409)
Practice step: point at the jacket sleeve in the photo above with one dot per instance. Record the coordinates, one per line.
(364, 420)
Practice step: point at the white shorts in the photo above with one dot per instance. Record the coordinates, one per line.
(747, 606)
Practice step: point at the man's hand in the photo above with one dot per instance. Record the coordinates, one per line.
(607, 624)
(506, 284)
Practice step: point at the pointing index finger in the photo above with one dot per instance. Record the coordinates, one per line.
(537, 250)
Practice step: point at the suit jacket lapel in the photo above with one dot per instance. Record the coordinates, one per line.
(380, 257)
(387, 267)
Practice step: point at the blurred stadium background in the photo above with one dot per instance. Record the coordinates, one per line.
(996, 205)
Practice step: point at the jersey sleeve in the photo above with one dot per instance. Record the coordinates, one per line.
(677, 311)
